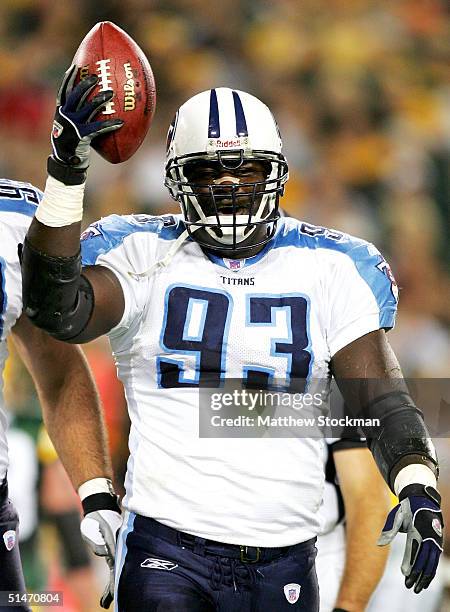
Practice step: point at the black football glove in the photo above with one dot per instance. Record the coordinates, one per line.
(419, 516)
(73, 128)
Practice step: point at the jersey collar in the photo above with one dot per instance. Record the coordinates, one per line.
(239, 264)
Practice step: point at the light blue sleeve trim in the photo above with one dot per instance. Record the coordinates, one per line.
(109, 233)
(366, 260)
(369, 262)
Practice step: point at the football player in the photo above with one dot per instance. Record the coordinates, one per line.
(349, 564)
(226, 290)
(67, 394)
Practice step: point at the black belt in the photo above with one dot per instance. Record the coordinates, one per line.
(245, 554)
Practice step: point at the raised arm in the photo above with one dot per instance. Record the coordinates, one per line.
(58, 297)
(370, 379)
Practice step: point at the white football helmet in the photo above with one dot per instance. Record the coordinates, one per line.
(226, 128)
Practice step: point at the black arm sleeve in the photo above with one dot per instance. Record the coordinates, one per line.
(56, 296)
(401, 434)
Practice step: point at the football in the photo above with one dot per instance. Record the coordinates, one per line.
(120, 65)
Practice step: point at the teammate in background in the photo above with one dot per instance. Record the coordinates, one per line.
(349, 564)
(225, 524)
(66, 392)
(59, 504)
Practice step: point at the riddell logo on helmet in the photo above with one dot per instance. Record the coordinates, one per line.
(223, 144)
(227, 143)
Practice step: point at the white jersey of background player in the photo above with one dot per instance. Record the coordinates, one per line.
(281, 314)
(390, 593)
(74, 419)
(18, 202)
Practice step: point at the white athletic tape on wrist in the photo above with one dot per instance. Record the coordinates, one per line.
(61, 205)
(414, 474)
(96, 485)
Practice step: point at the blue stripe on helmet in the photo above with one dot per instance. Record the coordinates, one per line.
(171, 132)
(213, 125)
(241, 124)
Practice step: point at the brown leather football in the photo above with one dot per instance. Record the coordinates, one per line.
(120, 65)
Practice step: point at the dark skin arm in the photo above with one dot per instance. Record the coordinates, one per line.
(370, 356)
(371, 360)
(109, 301)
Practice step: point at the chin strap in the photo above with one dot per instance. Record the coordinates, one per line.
(165, 261)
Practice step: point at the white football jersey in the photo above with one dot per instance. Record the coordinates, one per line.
(18, 202)
(279, 315)
(332, 511)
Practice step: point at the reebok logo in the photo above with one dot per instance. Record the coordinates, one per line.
(159, 564)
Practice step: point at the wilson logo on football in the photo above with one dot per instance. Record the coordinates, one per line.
(130, 96)
(159, 564)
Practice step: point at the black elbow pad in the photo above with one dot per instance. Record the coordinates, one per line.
(402, 433)
(56, 297)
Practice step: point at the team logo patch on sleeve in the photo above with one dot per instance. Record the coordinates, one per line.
(292, 592)
(159, 564)
(9, 538)
(384, 267)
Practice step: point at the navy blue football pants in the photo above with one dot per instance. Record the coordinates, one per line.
(11, 574)
(159, 569)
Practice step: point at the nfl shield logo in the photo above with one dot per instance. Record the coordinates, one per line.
(436, 524)
(57, 129)
(234, 264)
(292, 592)
(9, 538)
